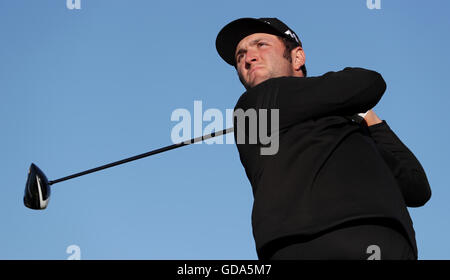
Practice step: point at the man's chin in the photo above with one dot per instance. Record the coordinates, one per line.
(254, 82)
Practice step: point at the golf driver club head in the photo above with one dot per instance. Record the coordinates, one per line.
(37, 189)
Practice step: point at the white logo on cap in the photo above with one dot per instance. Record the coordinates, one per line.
(289, 32)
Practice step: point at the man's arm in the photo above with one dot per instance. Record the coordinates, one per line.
(406, 168)
(342, 93)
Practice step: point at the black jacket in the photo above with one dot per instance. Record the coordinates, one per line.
(329, 168)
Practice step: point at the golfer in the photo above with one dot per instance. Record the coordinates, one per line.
(341, 181)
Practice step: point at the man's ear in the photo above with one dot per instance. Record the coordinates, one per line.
(298, 58)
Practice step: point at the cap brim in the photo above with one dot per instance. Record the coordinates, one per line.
(230, 36)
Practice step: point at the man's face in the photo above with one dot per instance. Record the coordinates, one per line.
(259, 57)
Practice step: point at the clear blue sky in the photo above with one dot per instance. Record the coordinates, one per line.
(81, 88)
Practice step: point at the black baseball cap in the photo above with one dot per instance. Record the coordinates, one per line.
(230, 36)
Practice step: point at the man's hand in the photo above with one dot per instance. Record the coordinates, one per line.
(371, 118)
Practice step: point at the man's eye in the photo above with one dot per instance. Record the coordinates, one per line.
(261, 44)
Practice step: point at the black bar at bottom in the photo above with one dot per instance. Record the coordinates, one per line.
(229, 269)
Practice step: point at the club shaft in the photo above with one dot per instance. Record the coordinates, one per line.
(154, 152)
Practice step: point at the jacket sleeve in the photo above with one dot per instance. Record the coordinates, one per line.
(346, 92)
(406, 168)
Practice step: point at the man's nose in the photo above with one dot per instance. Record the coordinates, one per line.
(251, 57)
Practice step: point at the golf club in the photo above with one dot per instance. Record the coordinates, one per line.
(37, 187)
